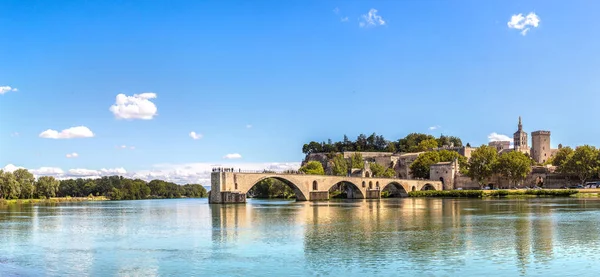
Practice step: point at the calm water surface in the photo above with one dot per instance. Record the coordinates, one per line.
(408, 237)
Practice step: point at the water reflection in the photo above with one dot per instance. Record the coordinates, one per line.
(422, 236)
(355, 237)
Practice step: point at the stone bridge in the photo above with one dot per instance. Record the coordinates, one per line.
(231, 187)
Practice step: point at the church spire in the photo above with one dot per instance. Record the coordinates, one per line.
(520, 124)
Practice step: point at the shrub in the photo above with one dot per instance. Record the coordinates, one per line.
(447, 193)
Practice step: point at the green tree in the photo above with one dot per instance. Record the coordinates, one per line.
(26, 181)
(562, 155)
(313, 168)
(425, 145)
(391, 147)
(340, 165)
(46, 186)
(271, 188)
(312, 147)
(67, 188)
(357, 161)
(514, 165)
(376, 169)
(389, 173)
(450, 156)
(482, 164)
(583, 162)
(456, 141)
(411, 142)
(195, 191)
(9, 186)
(421, 166)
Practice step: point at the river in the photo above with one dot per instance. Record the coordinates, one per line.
(391, 237)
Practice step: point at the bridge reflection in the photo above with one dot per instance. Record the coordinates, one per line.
(360, 235)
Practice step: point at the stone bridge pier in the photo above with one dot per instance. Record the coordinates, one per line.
(231, 187)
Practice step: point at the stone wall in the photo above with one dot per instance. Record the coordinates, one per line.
(550, 180)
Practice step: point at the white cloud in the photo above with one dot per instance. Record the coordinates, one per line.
(371, 19)
(91, 173)
(15, 134)
(137, 106)
(73, 132)
(344, 19)
(47, 171)
(125, 147)
(248, 126)
(498, 137)
(80, 172)
(336, 10)
(524, 23)
(5, 89)
(232, 156)
(194, 135)
(72, 155)
(177, 173)
(11, 168)
(434, 127)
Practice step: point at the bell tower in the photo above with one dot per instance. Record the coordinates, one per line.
(520, 139)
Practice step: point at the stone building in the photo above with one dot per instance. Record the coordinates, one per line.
(446, 172)
(462, 150)
(540, 150)
(520, 139)
(500, 145)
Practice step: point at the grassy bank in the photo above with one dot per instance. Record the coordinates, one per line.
(494, 193)
(52, 200)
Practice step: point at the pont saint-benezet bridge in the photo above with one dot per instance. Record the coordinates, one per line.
(231, 187)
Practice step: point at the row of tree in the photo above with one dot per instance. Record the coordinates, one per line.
(341, 166)
(414, 142)
(21, 184)
(485, 163)
(583, 162)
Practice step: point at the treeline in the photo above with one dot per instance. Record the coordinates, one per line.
(582, 163)
(21, 184)
(414, 142)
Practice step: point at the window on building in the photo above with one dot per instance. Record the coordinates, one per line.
(315, 185)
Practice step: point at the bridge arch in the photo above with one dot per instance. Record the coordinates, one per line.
(300, 194)
(351, 190)
(428, 186)
(395, 190)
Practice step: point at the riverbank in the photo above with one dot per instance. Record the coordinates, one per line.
(52, 200)
(498, 193)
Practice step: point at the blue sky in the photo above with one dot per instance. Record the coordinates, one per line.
(261, 78)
